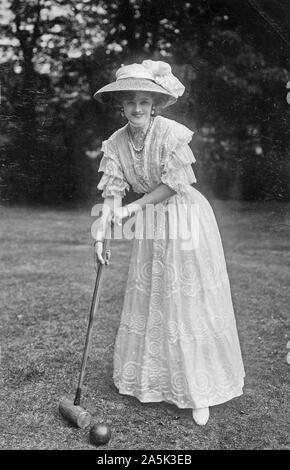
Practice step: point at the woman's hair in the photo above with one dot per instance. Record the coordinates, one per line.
(120, 96)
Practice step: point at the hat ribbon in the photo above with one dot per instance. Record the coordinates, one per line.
(156, 70)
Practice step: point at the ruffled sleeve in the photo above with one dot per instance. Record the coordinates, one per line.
(113, 181)
(176, 160)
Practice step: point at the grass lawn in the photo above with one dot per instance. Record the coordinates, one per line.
(47, 280)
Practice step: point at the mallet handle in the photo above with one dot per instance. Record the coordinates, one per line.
(93, 309)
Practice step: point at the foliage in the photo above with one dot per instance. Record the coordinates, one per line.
(55, 54)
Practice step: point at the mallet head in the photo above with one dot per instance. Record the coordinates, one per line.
(75, 415)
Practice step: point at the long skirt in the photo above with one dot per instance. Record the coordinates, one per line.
(177, 340)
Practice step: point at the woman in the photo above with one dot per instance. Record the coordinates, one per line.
(177, 340)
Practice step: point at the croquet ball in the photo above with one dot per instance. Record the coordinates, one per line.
(100, 434)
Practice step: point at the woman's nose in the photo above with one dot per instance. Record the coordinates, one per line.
(138, 107)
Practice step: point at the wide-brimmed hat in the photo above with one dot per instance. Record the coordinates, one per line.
(151, 76)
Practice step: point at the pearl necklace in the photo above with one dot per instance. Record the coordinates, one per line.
(130, 137)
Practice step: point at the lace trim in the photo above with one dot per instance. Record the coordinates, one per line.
(113, 182)
(176, 160)
(176, 170)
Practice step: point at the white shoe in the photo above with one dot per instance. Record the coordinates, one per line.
(201, 416)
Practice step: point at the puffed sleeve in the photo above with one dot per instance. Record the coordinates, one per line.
(176, 160)
(113, 181)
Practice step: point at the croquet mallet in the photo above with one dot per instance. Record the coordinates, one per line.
(71, 410)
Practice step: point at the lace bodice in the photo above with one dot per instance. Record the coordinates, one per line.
(166, 158)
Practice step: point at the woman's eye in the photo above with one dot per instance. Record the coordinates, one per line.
(131, 103)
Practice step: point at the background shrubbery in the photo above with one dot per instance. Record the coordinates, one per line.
(55, 54)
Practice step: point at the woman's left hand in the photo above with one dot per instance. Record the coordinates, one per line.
(119, 214)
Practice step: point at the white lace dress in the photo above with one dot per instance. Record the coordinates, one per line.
(177, 340)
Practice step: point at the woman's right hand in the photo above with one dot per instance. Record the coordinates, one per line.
(101, 225)
(99, 236)
(98, 247)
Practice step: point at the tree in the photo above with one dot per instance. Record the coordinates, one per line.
(40, 43)
(55, 54)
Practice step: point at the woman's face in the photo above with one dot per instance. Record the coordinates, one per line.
(137, 109)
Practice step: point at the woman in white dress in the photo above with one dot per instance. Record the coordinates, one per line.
(177, 340)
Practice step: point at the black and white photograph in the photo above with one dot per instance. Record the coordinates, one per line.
(144, 227)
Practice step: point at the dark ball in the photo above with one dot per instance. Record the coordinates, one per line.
(100, 434)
